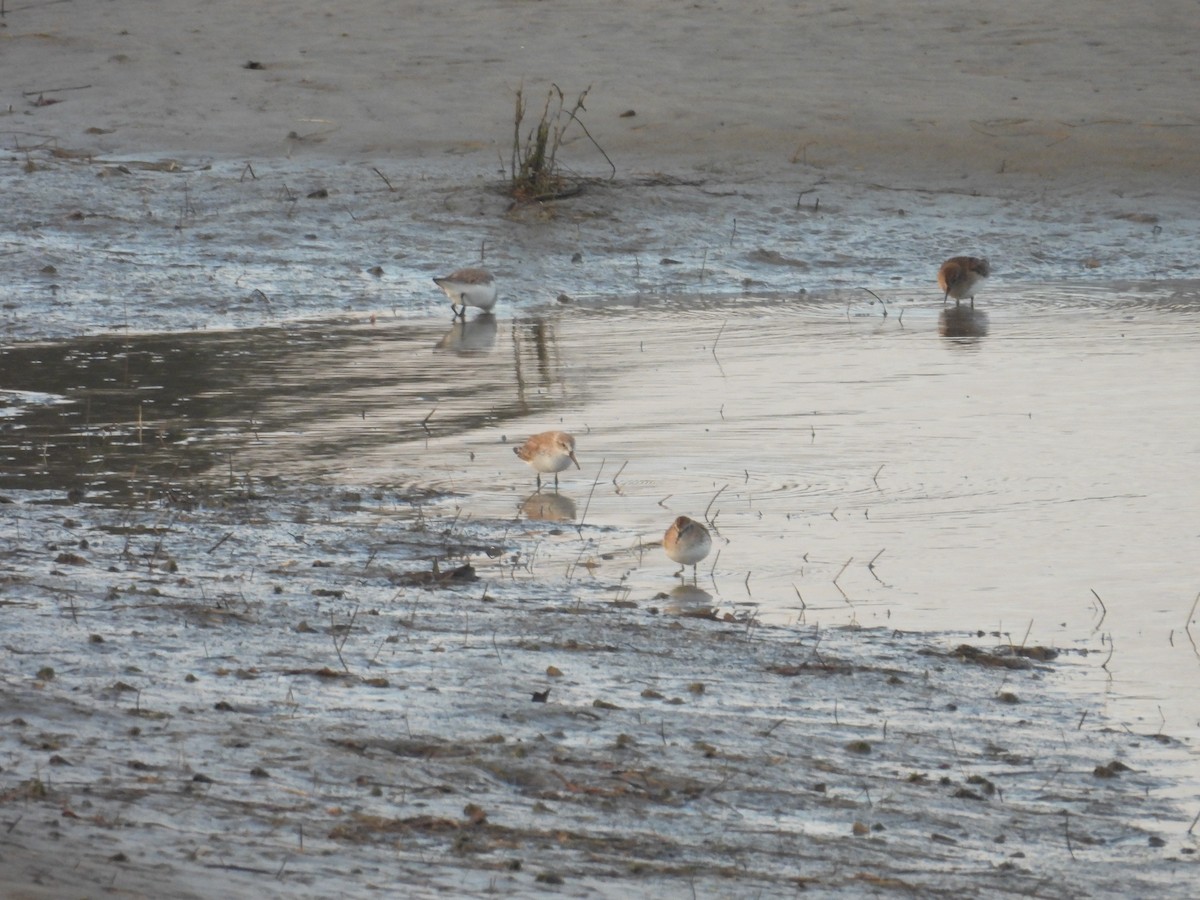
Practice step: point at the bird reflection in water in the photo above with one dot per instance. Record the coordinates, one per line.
(549, 507)
(689, 600)
(962, 322)
(474, 338)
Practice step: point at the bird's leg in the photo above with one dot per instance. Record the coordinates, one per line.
(972, 303)
(539, 482)
(556, 482)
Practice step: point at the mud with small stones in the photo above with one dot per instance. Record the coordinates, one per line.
(279, 691)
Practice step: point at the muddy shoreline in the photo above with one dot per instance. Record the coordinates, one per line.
(281, 693)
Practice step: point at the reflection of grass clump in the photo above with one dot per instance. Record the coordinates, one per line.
(535, 172)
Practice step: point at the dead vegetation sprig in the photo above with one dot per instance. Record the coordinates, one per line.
(535, 173)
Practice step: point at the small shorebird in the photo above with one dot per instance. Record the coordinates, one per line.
(961, 276)
(687, 542)
(550, 451)
(468, 287)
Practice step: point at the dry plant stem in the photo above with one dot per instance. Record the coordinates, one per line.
(337, 645)
(1111, 648)
(1067, 832)
(882, 305)
(803, 605)
(618, 475)
(717, 341)
(711, 502)
(586, 506)
(534, 170)
(1028, 629)
(1103, 610)
(1188, 626)
(385, 179)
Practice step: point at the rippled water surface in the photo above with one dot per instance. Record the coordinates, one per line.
(1028, 469)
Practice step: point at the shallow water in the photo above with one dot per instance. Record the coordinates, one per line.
(924, 470)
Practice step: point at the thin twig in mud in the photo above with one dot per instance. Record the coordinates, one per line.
(664, 500)
(496, 648)
(248, 168)
(713, 568)
(586, 506)
(1111, 648)
(385, 179)
(1193, 825)
(220, 542)
(425, 421)
(1028, 629)
(833, 514)
(835, 715)
(871, 564)
(1188, 625)
(882, 305)
(575, 565)
(1103, 609)
(767, 732)
(375, 655)
(746, 583)
(839, 575)
(337, 646)
(1079, 725)
(751, 622)
(74, 87)
(875, 477)
(615, 477)
(703, 264)
(900, 318)
(803, 605)
(733, 233)
(710, 503)
(1067, 832)
(720, 332)
(612, 166)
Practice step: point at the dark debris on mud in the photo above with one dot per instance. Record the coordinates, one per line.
(314, 697)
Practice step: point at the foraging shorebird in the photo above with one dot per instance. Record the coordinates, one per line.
(961, 276)
(468, 287)
(549, 452)
(687, 542)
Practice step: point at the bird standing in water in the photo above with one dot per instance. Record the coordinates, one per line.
(468, 287)
(550, 451)
(961, 276)
(687, 542)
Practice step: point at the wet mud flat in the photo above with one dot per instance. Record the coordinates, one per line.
(266, 690)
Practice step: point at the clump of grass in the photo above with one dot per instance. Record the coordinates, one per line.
(535, 173)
